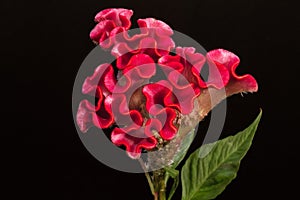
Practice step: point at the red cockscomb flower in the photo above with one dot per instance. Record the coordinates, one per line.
(146, 112)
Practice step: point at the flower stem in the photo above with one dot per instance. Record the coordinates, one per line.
(159, 184)
(147, 176)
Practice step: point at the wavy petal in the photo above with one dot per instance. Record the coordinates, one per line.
(143, 64)
(153, 40)
(89, 115)
(190, 58)
(169, 130)
(134, 140)
(218, 75)
(108, 20)
(151, 24)
(185, 61)
(102, 77)
(100, 34)
(183, 91)
(155, 94)
(120, 16)
(230, 61)
(121, 112)
(123, 53)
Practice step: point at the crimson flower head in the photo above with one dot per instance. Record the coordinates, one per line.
(143, 111)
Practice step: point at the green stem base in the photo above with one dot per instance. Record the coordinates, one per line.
(159, 184)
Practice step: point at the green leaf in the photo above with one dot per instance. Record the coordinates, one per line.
(184, 146)
(174, 174)
(213, 166)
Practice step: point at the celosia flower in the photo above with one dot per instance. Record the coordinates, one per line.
(146, 112)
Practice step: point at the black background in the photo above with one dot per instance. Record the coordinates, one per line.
(43, 45)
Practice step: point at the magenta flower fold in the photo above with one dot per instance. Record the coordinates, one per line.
(226, 63)
(108, 20)
(135, 139)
